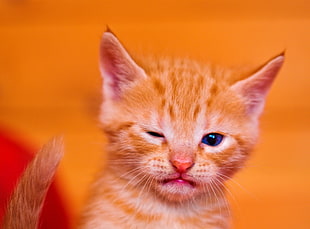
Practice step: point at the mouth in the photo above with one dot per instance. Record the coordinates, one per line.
(179, 182)
(177, 188)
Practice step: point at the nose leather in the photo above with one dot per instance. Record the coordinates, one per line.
(182, 164)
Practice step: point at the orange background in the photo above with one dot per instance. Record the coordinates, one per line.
(49, 84)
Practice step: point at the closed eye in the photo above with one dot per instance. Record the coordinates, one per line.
(155, 134)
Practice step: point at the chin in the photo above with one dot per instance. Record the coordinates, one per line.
(177, 190)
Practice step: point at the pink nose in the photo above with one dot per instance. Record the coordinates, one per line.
(182, 165)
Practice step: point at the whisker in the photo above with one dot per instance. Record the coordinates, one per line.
(227, 190)
(146, 184)
(130, 172)
(209, 199)
(222, 187)
(215, 194)
(218, 188)
(133, 181)
(230, 179)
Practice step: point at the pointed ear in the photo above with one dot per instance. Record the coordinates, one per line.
(254, 89)
(117, 67)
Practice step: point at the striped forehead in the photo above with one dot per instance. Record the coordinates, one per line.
(183, 96)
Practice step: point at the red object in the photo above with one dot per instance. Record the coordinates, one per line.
(14, 157)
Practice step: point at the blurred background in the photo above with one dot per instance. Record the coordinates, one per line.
(50, 85)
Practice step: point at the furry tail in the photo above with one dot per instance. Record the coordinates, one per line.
(28, 197)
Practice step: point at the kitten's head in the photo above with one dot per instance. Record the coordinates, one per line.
(177, 128)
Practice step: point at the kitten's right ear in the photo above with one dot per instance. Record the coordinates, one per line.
(117, 68)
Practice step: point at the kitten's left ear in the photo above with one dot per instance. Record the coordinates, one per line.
(254, 89)
(118, 69)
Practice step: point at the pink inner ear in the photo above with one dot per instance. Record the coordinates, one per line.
(117, 67)
(110, 70)
(262, 85)
(254, 89)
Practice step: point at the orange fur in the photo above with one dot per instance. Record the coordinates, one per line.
(155, 116)
(27, 200)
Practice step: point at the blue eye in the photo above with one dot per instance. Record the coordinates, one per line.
(212, 139)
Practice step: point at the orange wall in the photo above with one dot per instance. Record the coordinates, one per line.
(49, 84)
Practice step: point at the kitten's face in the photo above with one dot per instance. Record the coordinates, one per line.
(182, 129)
(176, 130)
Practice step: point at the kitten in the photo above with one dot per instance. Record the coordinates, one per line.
(177, 130)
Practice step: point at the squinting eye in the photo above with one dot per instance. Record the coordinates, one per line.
(212, 139)
(155, 134)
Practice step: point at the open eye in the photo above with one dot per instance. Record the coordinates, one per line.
(155, 134)
(212, 139)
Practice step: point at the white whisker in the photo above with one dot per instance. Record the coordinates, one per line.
(230, 179)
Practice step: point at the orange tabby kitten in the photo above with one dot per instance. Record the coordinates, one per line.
(176, 131)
